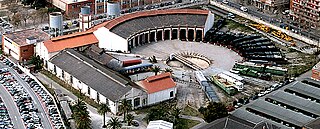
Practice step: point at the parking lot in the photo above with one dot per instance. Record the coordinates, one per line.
(34, 104)
(5, 120)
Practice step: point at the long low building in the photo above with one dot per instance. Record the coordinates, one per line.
(106, 86)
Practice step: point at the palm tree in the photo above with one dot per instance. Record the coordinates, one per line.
(103, 109)
(125, 107)
(156, 69)
(114, 123)
(81, 115)
(168, 70)
(82, 119)
(130, 118)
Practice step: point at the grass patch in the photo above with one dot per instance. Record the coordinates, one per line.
(71, 89)
(232, 25)
(190, 123)
(189, 111)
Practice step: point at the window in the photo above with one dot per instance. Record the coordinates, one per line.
(136, 102)
(98, 99)
(62, 73)
(71, 79)
(144, 101)
(89, 92)
(171, 94)
(25, 50)
(54, 69)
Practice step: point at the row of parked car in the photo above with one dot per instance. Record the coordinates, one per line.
(5, 121)
(47, 100)
(28, 111)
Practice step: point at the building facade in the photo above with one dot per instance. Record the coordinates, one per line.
(305, 12)
(20, 44)
(271, 5)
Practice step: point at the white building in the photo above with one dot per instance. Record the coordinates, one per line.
(159, 88)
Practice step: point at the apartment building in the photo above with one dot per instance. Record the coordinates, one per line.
(305, 12)
(271, 5)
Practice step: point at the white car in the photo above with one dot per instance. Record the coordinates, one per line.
(231, 15)
(244, 9)
(225, 2)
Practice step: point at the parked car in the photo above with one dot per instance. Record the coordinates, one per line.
(244, 9)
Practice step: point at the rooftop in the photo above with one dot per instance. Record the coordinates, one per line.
(19, 37)
(157, 83)
(70, 41)
(103, 80)
(114, 22)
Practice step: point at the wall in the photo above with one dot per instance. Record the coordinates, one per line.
(113, 43)
(59, 4)
(10, 47)
(161, 96)
(26, 52)
(133, 94)
(77, 84)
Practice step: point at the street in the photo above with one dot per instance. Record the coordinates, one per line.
(274, 20)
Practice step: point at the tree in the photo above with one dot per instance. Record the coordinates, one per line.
(81, 115)
(125, 107)
(103, 109)
(34, 17)
(16, 19)
(213, 111)
(114, 123)
(42, 12)
(130, 118)
(156, 69)
(37, 61)
(25, 15)
(39, 4)
(168, 70)
(14, 8)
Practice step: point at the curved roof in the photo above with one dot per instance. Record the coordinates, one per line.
(127, 25)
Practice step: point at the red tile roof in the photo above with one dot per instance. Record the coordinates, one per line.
(114, 22)
(158, 83)
(70, 41)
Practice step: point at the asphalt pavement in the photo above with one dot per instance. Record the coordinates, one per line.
(276, 21)
(46, 122)
(12, 108)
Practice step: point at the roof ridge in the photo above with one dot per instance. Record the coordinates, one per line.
(72, 35)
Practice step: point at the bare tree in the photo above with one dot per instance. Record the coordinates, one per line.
(25, 15)
(34, 17)
(16, 19)
(42, 12)
(14, 8)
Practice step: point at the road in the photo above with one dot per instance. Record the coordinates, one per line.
(12, 108)
(46, 122)
(276, 21)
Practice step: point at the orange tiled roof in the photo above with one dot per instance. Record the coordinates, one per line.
(70, 41)
(158, 83)
(114, 22)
